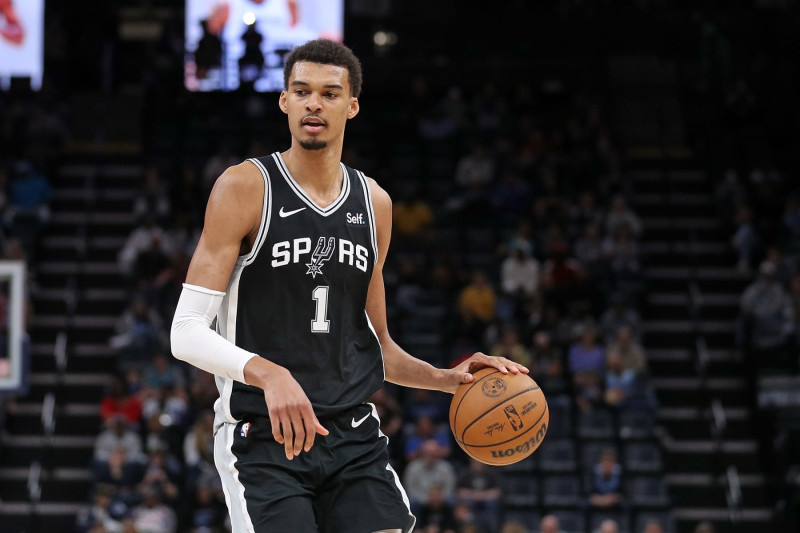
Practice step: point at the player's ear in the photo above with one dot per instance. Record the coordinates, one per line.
(353, 111)
(282, 102)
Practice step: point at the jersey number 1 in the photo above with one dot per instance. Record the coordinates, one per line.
(321, 324)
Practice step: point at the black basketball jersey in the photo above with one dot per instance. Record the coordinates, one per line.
(298, 298)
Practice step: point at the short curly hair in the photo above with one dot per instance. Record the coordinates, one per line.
(326, 52)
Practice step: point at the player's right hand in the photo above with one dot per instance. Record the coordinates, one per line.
(294, 423)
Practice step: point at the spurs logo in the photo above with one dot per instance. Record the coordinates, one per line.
(320, 256)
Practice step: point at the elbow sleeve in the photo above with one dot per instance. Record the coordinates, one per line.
(193, 341)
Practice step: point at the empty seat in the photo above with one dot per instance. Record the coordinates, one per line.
(636, 424)
(557, 456)
(647, 492)
(560, 425)
(520, 490)
(598, 424)
(526, 466)
(571, 521)
(561, 491)
(642, 457)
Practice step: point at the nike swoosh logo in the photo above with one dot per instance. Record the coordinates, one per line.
(285, 214)
(355, 423)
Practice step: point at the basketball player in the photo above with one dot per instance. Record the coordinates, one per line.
(290, 264)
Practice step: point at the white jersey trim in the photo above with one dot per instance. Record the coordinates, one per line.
(225, 461)
(400, 488)
(266, 216)
(298, 190)
(373, 232)
(372, 329)
(226, 327)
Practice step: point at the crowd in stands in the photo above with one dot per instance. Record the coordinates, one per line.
(520, 244)
(763, 214)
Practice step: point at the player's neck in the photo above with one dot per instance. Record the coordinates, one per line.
(316, 171)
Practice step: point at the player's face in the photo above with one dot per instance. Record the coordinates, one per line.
(318, 104)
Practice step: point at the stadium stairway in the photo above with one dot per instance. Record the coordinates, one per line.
(705, 418)
(47, 445)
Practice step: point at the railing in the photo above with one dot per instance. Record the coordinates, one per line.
(718, 423)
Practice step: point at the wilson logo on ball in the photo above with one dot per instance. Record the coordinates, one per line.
(493, 387)
(525, 447)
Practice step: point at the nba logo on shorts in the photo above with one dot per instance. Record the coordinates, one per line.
(245, 429)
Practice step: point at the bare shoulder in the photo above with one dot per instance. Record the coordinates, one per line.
(381, 200)
(237, 198)
(242, 179)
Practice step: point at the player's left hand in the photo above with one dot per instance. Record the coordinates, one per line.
(463, 372)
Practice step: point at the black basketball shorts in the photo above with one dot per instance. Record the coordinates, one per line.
(343, 485)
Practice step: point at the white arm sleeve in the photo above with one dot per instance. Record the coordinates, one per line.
(194, 341)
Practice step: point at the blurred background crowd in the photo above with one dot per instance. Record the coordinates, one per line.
(520, 228)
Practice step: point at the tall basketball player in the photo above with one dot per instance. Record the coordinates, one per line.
(290, 265)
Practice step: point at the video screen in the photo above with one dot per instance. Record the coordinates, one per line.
(244, 43)
(21, 41)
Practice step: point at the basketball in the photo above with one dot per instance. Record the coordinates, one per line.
(499, 419)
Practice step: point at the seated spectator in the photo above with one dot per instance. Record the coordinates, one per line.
(632, 353)
(153, 198)
(606, 481)
(519, 279)
(119, 473)
(152, 515)
(424, 430)
(653, 526)
(412, 217)
(511, 196)
(105, 514)
(561, 274)
(475, 170)
(590, 252)
(618, 315)
(119, 402)
(704, 527)
(585, 355)
(548, 368)
(139, 241)
(621, 216)
(28, 209)
(424, 472)
(510, 347)
(389, 411)
(217, 164)
(162, 373)
(207, 513)
(622, 251)
(463, 516)
(608, 526)
(479, 488)
(766, 321)
(198, 444)
(476, 305)
(549, 524)
(745, 240)
(166, 412)
(422, 402)
(437, 514)
(162, 474)
(584, 214)
(118, 435)
(620, 383)
(139, 333)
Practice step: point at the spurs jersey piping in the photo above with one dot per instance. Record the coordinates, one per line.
(226, 317)
(329, 210)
